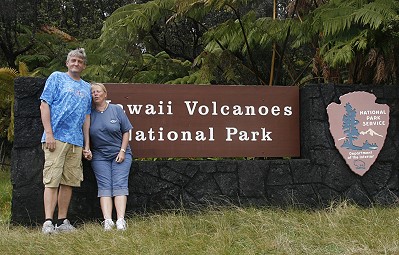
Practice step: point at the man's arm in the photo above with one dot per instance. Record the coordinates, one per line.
(45, 115)
(86, 135)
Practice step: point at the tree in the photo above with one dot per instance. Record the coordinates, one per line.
(82, 19)
(25, 24)
(140, 48)
(209, 41)
(355, 41)
(349, 123)
(188, 30)
(16, 29)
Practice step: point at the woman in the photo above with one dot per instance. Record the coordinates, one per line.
(111, 155)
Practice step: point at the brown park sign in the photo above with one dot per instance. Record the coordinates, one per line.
(210, 120)
(359, 127)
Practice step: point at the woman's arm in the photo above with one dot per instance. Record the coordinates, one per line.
(121, 155)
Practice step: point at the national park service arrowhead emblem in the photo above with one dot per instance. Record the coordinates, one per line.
(359, 127)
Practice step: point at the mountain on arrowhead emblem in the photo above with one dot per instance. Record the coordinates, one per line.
(370, 132)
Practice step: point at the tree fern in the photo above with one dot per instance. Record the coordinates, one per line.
(135, 17)
(347, 29)
(191, 8)
(376, 13)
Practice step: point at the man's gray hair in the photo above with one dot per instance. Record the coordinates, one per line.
(79, 52)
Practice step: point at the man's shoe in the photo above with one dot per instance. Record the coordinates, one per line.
(48, 227)
(108, 224)
(65, 227)
(121, 224)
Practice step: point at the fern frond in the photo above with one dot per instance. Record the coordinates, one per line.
(8, 74)
(193, 13)
(59, 33)
(219, 4)
(340, 54)
(334, 20)
(8, 70)
(266, 31)
(375, 13)
(34, 58)
(23, 69)
(230, 34)
(125, 24)
(361, 42)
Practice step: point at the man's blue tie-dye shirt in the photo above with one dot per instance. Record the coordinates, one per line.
(69, 102)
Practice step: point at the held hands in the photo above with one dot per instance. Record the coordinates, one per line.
(119, 159)
(87, 154)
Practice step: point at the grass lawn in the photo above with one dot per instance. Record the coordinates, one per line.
(340, 229)
(5, 196)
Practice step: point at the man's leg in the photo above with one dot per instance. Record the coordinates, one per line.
(52, 172)
(72, 175)
(64, 198)
(50, 201)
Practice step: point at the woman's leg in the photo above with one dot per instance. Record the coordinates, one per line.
(120, 206)
(103, 173)
(106, 207)
(120, 187)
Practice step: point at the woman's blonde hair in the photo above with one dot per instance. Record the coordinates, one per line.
(100, 85)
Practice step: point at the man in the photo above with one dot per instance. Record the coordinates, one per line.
(65, 112)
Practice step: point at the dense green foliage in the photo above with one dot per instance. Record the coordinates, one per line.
(357, 40)
(206, 41)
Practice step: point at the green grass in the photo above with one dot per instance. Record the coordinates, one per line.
(5, 196)
(340, 229)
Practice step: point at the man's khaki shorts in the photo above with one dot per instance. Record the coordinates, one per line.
(63, 165)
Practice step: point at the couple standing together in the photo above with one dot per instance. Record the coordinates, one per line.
(78, 121)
